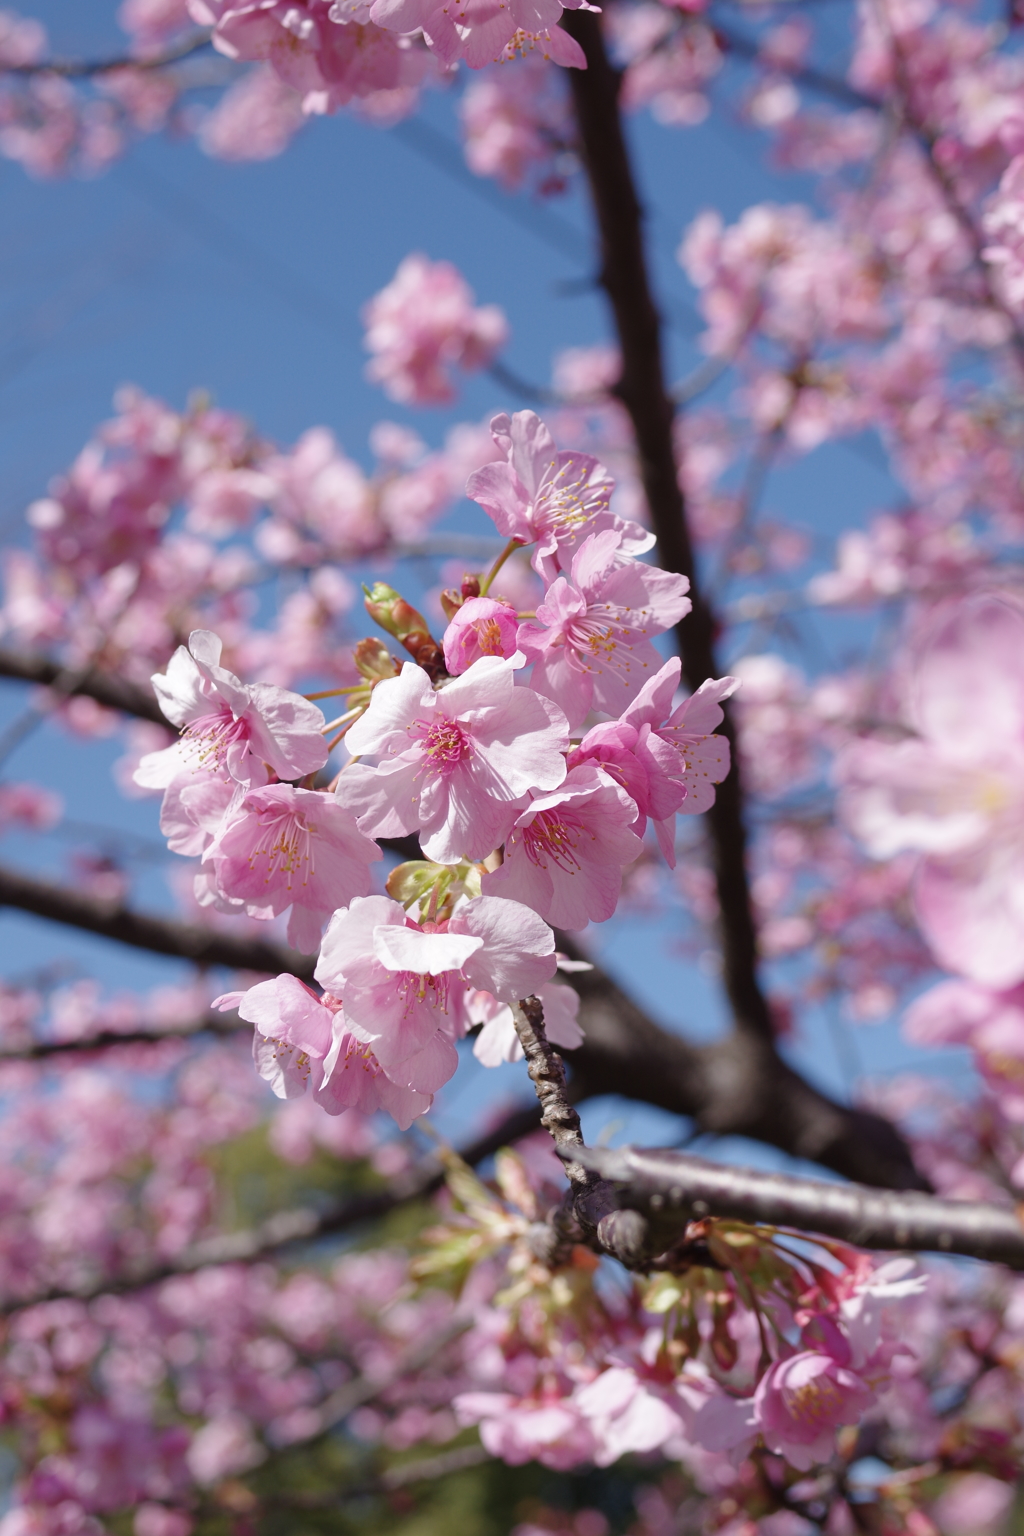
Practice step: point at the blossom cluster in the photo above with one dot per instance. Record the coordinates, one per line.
(524, 826)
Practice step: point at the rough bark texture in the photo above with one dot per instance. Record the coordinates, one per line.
(674, 1189)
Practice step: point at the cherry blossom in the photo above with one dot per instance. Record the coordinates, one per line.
(279, 847)
(481, 627)
(301, 1042)
(422, 325)
(454, 764)
(404, 985)
(229, 727)
(553, 498)
(565, 854)
(591, 642)
(953, 794)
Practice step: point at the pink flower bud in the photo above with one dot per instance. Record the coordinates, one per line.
(481, 627)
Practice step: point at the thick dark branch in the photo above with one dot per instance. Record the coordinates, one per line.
(736, 1086)
(104, 687)
(218, 1024)
(160, 935)
(673, 1189)
(643, 392)
(301, 1225)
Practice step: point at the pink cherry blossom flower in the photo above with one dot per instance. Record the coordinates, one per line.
(591, 642)
(354, 1079)
(565, 855)
(423, 324)
(554, 499)
(802, 1401)
(256, 118)
(152, 22)
(301, 1041)
(457, 763)
(481, 627)
(404, 986)
(228, 727)
(627, 1413)
(544, 1427)
(954, 792)
(678, 748)
(479, 30)
(280, 847)
(498, 1042)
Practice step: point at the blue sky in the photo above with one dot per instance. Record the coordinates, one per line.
(173, 271)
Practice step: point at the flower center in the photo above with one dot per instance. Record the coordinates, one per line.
(488, 634)
(419, 988)
(208, 738)
(600, 642)
(355, 1055)
(815, 1404)
(565, 502)
(446, 744)
(287, 846)
(551, 837)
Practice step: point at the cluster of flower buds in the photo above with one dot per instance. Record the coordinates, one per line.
(469, 747)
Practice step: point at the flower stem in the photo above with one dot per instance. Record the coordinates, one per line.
(332, 693)
(510, 549)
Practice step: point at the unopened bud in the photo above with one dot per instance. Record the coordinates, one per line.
(451, 602)
(374, 661)
(470, 586)
(391, 611)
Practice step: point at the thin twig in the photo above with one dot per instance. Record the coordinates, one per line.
(83, 69)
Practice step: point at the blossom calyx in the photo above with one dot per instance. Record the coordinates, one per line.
(373, 660)
(390, 610)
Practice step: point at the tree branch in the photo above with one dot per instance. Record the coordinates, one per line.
(220, 1024)
(83, 69)
(737, 1086)
(643, 392)
(674, 1189)
(162, 936)
(104, 687)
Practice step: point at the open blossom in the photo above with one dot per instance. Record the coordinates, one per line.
(228, 727)
(991, 1023)
(801, 1402)
(281, 847)
(544, 1426)
(255, 119)
(424, 324)
(677, 750)
(549, 497)
(481, 627)
(457, 763)
(404, 985)
(301, 1041)
(498, 1042)
(479, 31)
(628, 1413)
(565, 855)
(954, 792)
(591, 642)
(327, 61)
